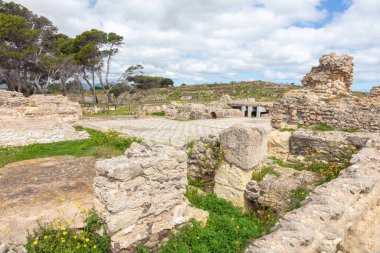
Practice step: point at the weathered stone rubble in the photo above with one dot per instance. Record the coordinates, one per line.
(37, 119)
(335, 213)
(333, 76)
(6, 248)
(308, 109)
(141, 195)
(374, 93)
(275, 190)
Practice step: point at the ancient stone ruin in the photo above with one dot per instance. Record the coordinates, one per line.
(141, 195)
(332, 77)
(374, 93)
(319, 102)
(37, 119)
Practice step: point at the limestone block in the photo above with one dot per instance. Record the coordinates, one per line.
(278, 144)
(244, 146)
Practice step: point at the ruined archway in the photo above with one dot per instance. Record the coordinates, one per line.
(213, 115)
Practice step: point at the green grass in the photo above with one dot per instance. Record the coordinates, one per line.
(281, 163)
(107, 144)
(61, 238)
(323, 127)
(350, 130)
(121, 110)
(259, 176)
(228, 229)
(287, 130)
(196, 182)
(160, 114)
(298, 195)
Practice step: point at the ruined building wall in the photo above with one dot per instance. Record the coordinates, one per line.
(141, 194)
(309, 109)
(333, 76)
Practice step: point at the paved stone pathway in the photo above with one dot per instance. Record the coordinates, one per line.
(165, 131)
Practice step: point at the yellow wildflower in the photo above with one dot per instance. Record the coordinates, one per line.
(35, 242)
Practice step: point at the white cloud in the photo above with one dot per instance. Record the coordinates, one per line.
(193, 40)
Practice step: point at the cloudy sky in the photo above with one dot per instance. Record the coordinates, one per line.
(206, 41)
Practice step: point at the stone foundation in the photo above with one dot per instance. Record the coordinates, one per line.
(335, 212)
(374, 93)
(141, 195)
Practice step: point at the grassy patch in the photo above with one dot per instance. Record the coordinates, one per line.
(196, 182)
(61, 238)
(160, 114)
(287, 130)
(281, 163)
(323, 127)
(99, 144)
(259, 176)
(350, 130)
(125, 110)
(298, 195)
(228, 228)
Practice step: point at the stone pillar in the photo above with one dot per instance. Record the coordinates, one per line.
(141, 194)
(243, 148)
(250, 109)
(243, 109)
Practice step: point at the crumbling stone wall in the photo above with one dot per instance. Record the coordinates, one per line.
(141, 194)
(14, 105)
(374, 93)
(333, 76)
(309, 109)
(37, 119)
(334, 213)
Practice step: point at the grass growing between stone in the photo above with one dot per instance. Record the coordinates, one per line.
(228, 228)
(259, 175)
(107, 144)
(59, 237)
(298, 195)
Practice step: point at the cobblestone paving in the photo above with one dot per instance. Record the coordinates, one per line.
(172, 132)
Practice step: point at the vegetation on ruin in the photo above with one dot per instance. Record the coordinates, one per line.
(323, 127)
(350, 130)
(229, 229)
(196, 182)
(59, 236)
(107, 144)
(259, 175)
(298, 195)
(287, 130)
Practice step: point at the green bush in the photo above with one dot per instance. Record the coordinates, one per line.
(59, 238)
(323, 127)
(228, 228)
(196, 182)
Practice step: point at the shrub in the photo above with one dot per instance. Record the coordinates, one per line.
(323, 127)
(60, 238)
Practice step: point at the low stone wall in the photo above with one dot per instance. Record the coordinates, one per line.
(141, 195)
(374, 93)
(334, 146)
(335, 212)
(308, 109)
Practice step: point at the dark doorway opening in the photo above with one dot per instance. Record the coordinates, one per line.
(213, 115)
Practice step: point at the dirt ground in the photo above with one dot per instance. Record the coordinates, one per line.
(41, 190)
